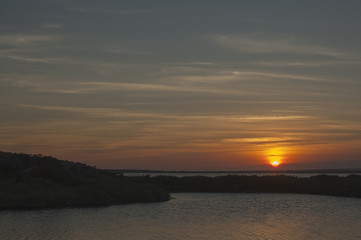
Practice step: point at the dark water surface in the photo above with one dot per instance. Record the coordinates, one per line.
(196, 216)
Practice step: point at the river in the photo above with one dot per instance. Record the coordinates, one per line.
(195, 216)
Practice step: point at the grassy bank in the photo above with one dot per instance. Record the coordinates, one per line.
(36, 181)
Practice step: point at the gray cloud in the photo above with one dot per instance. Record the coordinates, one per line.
(26, 39)
(35, 60)
(112, 11)
(53, 26)
(262, 43)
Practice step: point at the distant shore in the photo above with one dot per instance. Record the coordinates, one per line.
(295, 173)
(348, 186)
(38, 182)
(271, 171)
(325, 170)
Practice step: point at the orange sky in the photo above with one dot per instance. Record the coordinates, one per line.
(183, 85)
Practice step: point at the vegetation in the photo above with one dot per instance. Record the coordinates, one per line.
(36, 181)
(349, 186)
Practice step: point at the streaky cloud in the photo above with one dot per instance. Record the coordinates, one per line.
(35, 60)
(262, 43)
(25, 39)
(93, 87)
(112, 11)
(54, 26)
(251, 118)
(117, 112)
(305, 64)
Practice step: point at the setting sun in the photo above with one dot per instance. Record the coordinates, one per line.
(274, 156)
(275, 163)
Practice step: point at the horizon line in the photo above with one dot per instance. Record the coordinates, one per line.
(332, 170)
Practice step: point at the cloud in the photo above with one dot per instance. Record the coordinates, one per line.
(35, 60)
(212, 73)
(2, 51)
(95, 87)
(309, 63)
(261, 43)
(234, 75)
(248, 75)
(53, 25)
(116, 112)
(126, 50)
(253, 118)
(193, 64)
(112, 11)
(262, 140)
(24, 39)
(92, 111)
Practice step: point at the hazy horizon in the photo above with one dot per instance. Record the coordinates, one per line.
(184, 85)
(270, 170)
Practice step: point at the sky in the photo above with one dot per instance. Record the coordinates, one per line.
(183, 85)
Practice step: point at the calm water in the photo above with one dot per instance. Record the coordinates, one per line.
(196, 216)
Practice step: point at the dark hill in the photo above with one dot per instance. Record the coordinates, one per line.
(37, 181)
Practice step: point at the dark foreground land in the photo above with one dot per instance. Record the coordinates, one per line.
(36, 181)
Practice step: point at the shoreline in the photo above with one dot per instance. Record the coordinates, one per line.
(322, 185)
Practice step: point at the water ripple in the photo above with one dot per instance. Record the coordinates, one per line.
(195, 216)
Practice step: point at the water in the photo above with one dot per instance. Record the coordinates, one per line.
(196, 216)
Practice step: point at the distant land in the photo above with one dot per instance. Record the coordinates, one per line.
(321, 171)
(331, 185)
(36, 182)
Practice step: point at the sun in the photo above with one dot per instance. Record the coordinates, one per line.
(275, 163)
(274, 156)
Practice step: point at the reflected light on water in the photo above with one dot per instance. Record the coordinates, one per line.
(208, 216)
